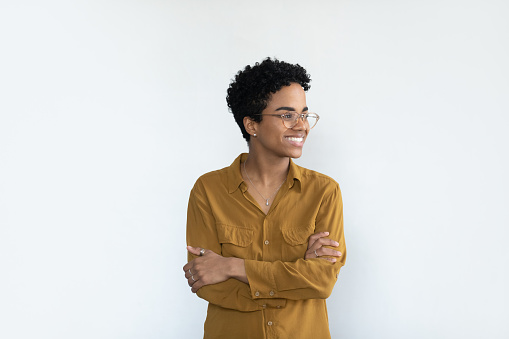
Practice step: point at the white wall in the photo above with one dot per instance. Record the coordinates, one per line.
(110, 110)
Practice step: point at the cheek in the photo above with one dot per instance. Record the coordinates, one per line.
(275, 134)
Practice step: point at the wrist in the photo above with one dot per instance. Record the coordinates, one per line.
(237, 270)
(233, 267)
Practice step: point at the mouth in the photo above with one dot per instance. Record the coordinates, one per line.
(296, 141)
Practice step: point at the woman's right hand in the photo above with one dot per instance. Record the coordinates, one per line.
(316, 247)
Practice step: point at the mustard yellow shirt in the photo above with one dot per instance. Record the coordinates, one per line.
(286, 294)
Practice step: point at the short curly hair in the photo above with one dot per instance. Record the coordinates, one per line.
(252, 88)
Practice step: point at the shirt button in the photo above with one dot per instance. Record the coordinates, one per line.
(271, 293)
(278, 306)
(269, 323)
(264, 306)
(266, 242)
(257, 294)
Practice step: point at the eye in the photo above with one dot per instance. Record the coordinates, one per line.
(288, 116)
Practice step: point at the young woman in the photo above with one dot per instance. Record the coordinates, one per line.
(265, 236)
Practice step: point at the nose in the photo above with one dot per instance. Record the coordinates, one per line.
(301, 124)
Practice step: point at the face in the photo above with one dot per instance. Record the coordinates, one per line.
(272, 135)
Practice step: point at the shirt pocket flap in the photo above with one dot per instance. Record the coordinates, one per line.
(297, 235)
(228, 234)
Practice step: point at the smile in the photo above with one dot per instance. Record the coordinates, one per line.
(300, 139)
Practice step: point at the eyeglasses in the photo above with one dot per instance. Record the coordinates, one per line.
(290, 119)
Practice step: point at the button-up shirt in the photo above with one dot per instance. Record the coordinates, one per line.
(285, 297)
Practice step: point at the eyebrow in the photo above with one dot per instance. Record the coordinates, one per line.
(285, 108)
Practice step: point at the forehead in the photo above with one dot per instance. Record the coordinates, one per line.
(288, 96)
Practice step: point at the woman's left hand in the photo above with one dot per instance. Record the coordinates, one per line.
(316, 247)
(209, 268)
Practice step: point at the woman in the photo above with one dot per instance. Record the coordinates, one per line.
(266, 236)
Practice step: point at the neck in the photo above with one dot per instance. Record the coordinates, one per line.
(267, 171)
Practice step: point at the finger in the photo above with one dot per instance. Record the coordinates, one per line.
(332, 260)
(328, 251)
(192, 280)
(310, 255)
(323, 242)
(194, 250)
(189, 273)
(188, 266)
(320, 252)
(315, 237)
(196, 286)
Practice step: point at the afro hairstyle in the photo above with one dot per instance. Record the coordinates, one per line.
(252, 88)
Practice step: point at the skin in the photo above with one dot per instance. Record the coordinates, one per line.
(267, 165)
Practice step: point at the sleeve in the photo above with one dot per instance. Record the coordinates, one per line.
(304, 278)
(201, 232)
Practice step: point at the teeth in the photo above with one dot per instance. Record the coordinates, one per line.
(295, 139)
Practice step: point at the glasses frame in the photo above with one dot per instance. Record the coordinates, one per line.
(302, 116)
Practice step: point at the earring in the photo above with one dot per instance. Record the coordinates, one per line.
(254, 135)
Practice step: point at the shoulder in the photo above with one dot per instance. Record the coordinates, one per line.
(316, 178)
(318, 185)
(212, 178)
(208, 185)
(213, 175)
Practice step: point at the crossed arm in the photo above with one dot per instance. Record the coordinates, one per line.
(211, 268)
(246, 285)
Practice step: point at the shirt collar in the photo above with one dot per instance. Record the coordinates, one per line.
(235, 180)
(294, 176)
(234, 176)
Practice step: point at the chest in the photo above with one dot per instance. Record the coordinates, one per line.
(279, 231)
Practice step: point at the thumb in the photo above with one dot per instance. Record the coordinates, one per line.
(194, 250)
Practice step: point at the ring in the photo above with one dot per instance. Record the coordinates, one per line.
(202, 251)
(189, 270)
(316, 254)
(192, 278)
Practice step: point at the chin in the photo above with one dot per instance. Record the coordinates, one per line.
(295, 154)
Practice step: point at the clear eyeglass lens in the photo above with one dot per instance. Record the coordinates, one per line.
(311, 120)
(291, 119)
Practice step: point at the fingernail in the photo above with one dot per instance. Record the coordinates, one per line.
(336, 243)
(333, 260)
(326, 233)
(339, 253)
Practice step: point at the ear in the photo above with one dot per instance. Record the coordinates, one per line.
(250, 125)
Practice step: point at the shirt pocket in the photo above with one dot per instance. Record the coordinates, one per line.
(295, 242)
(235, 241)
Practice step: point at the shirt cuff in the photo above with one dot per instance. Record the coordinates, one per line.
(261, 280)
(271, 303)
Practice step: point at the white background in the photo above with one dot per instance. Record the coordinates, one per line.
(110, 110)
